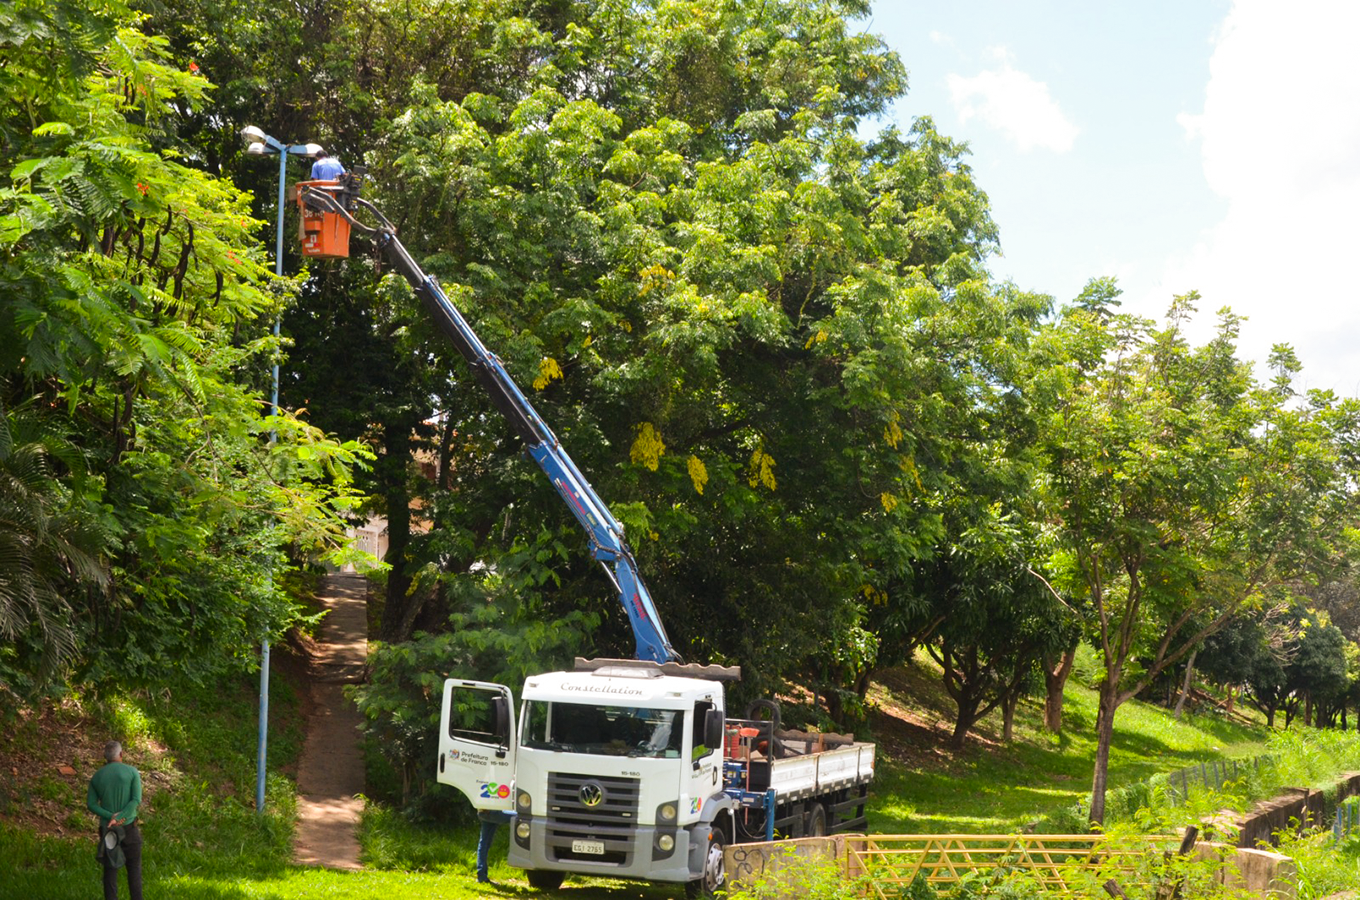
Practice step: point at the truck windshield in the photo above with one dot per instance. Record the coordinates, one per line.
(603, 730)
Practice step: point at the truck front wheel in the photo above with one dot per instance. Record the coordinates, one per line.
(544, 880)
(715, 870)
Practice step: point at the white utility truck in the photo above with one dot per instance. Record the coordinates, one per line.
(624, 768)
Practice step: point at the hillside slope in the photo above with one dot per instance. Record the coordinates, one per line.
(991, 787)
(206, 842)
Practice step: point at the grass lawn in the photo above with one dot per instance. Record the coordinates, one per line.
(203, 839)
(210, 866)
(993, 787)
(195, 748)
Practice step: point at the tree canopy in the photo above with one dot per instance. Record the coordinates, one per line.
(762, 323)
(146, 518)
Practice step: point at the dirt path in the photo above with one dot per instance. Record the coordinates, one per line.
(331, 772)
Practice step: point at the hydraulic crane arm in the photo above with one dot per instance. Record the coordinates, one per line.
(605, 533)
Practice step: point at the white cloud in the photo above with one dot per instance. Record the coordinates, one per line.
(1015, 104)
(1280, 141)
(1192, 125)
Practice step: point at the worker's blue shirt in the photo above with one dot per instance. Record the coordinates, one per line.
(327, 169)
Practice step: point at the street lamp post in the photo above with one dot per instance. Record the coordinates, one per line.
(261, 144)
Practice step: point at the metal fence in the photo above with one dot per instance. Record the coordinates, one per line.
(1065, 864)
(1123, 803)
(1212, 775)
(1347, 820)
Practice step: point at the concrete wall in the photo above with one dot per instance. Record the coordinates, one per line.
(1302, 805)
(747, 862)
(1258, 872)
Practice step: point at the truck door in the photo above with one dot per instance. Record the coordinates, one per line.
(705, 745)
(477, 742)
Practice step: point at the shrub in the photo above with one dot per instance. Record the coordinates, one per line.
(810, 878)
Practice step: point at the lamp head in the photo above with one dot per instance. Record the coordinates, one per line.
(252, 135)
(256, 149)
(312, 150)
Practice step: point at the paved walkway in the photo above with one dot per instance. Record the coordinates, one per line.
(331, 773)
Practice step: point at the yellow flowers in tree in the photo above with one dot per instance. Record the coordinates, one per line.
(698, 473)
(761, 469)
(548, 370)
(648, 448)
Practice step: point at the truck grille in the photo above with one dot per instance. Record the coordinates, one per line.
(611, 820)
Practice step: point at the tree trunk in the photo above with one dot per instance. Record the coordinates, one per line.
(442, 472)
(1308, 708)
(1270, 717)
(962, 724)
(967, 701)
(1185, 685)
(394, 470)
(835, 709)
(1008, 706)
(1230, 699)
(863, 681)
(1055, 682)
(415, 603)
(1104, 737)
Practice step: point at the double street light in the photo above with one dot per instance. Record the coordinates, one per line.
(261, 144)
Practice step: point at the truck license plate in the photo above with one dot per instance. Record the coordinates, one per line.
(596, 847)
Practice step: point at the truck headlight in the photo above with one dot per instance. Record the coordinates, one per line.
(522, 830)
(666, 843)
(665, 813)
(523, 801)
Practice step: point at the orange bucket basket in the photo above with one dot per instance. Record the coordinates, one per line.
(323, 235)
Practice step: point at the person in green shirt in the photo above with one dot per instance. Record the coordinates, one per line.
(114, 795)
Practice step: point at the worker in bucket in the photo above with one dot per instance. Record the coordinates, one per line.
(326, 167)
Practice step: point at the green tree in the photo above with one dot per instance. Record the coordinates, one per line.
(997, 621)
(761, 336)
(1318, 673)
(132, 327)
(1183, 490)
(733, 323)
(1250, 651)
(50, 547)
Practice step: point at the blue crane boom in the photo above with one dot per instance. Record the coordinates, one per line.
(605, 533)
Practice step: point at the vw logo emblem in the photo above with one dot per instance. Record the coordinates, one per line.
(591, 794)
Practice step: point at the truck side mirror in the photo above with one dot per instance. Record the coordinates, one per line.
(713, 729)
(500, 714)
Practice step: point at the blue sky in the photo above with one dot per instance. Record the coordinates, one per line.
(1206, 144)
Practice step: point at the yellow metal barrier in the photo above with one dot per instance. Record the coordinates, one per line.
(1070, 864)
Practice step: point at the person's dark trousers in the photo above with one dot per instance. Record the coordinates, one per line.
(484, 847)
(132, 851)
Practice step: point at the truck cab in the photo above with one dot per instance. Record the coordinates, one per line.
(614, 772)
